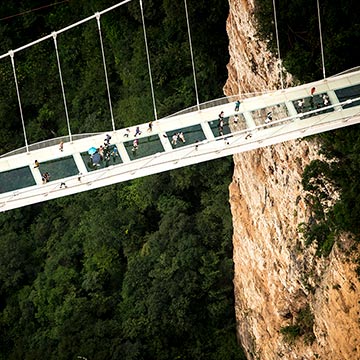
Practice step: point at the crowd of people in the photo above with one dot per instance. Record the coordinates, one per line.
(322, 100)
(105, 152)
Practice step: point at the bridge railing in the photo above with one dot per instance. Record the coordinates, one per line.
(195, 151)
(55, 141)
(277, 125)
(46, 143)
(354, 69)
(217, 102)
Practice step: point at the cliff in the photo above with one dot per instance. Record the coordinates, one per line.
(280, 285)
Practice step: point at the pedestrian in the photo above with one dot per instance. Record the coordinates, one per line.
(237, 105)
(300, 104)
(61, 146)
(325, 98)
(95, 159)
(107, 155)
(107, 140)
(137, 131)
(312, 105)
(37, 164)
(149, 127)
(181, 137)
(268, 117)
(221, 116)
(127, 133)
(312, 91)
(236, 118)
(221, 128)
(174, 139)
(115, 153)
(101, 152)
(45, 177)
(221, 124)
(221, 120)
(135, 145)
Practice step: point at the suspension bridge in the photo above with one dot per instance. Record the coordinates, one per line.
(78, 163)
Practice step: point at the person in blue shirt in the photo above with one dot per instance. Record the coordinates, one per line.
(115, 153)
(237, 105)
(137, 131)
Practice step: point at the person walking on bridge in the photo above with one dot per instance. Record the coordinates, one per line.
(268, 117)
(150, 125)
(175, 139)
(137, 131)
(135, 146)
(221, 116)
(237, 105)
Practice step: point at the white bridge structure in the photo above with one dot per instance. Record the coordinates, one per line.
(81, 163)
(296, 112)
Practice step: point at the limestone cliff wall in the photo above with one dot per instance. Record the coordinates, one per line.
(275, 275)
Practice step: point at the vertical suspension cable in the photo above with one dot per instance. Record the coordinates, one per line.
(54, 34)
(278, 46)
(97, 15)
(192, 56)
(235, 63)
(148, 59)
(321, 42)
(11, 53)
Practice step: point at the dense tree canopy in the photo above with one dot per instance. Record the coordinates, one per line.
(140, 270)
(93, 276)
(299, 35)
(82, 67)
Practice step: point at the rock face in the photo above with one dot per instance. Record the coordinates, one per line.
(278, 282)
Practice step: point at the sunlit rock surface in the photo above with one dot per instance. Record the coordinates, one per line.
(275, 275)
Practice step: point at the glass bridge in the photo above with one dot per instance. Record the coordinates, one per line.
(89, 161)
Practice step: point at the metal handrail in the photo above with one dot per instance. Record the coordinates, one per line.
(46, 143)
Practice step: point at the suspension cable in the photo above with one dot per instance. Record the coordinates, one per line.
(321, 42)
(54, 34)
(192, 56)
(11, 53)
(148, 59)
(66, 28)
(105, 71)
(235, 62)
(278, 46)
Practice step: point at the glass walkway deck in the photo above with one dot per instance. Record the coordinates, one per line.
(177, 141)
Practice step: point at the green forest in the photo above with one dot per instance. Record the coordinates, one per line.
(143, 269)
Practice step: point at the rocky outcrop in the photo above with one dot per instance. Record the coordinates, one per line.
(252, 67)
(278, 281)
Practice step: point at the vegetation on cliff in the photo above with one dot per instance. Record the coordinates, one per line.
(300, 49)
(299, 35)
(303, 326)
